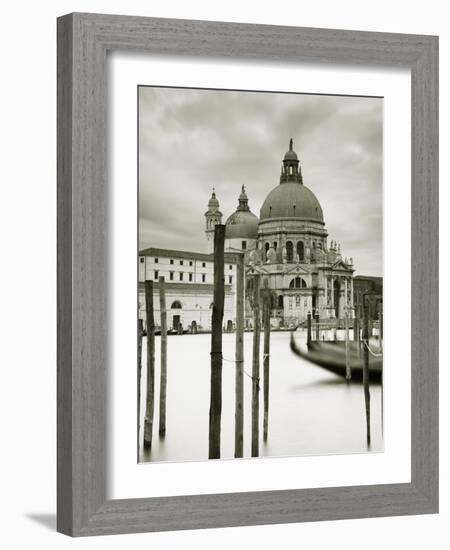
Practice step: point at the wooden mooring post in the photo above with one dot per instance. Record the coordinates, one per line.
(380, 330)
(239, 377)
(380, 316)
(308, 329)
(266, 359)
(149, 409)
(366, 381)
(215, 408)
(139, 373)
(317, 318)
(163, 374)
(255, 366)
(348, 369)
(356, 334)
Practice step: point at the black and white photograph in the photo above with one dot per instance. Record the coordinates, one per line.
(221, 292)
(260, 266)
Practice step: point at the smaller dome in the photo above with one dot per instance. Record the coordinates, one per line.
(213, 202)
(290, 155)
(241, 225)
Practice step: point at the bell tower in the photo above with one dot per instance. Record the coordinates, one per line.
(213, 216)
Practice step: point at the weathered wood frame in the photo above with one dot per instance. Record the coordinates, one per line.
(83, 41)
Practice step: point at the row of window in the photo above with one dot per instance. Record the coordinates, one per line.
(190, 276)
(300, 249)
(191, 263)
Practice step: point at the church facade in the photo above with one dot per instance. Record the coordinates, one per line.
(287, 245)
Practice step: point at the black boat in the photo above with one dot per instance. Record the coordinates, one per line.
(330, 355)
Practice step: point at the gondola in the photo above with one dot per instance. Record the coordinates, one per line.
(331, 356)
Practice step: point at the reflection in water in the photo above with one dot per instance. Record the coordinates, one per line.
(312, 412)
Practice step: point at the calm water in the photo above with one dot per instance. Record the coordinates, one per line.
(311, 411)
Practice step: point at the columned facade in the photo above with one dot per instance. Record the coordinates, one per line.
(289, 246)
(306, 272)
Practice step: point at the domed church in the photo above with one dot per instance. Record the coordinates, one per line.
(288, 246)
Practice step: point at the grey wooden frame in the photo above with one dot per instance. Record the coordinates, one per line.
(83, 41)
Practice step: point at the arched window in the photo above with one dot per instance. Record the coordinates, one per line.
(176, 305)
(301, 250)
(289, 251)
(298, 282)
(266, 247)
(275, 245)
(280, 301)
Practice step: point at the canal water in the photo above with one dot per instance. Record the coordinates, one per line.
(311, 411)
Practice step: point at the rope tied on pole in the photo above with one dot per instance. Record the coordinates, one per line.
(366, 343)
(245, 372)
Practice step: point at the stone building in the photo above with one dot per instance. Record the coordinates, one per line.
(189, 278)
(288, 246)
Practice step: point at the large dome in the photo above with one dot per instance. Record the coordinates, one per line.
(241, 225)
(291, 200)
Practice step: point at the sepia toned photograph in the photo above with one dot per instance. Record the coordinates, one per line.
(260, 274)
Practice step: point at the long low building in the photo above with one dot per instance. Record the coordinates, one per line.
(189, 287)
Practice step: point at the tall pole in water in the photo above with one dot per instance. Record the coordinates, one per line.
(266, 360)
(366, 369)
(140, 334)
(356, 334)
(348, 370)
(308, 329)
(149, 410)
(380, 316)
(163, 376)
(239, 381)
(215, 408)
(255, 366)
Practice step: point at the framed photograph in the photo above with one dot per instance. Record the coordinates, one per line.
(247, 274)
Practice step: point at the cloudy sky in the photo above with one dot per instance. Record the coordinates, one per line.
(193, 140)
